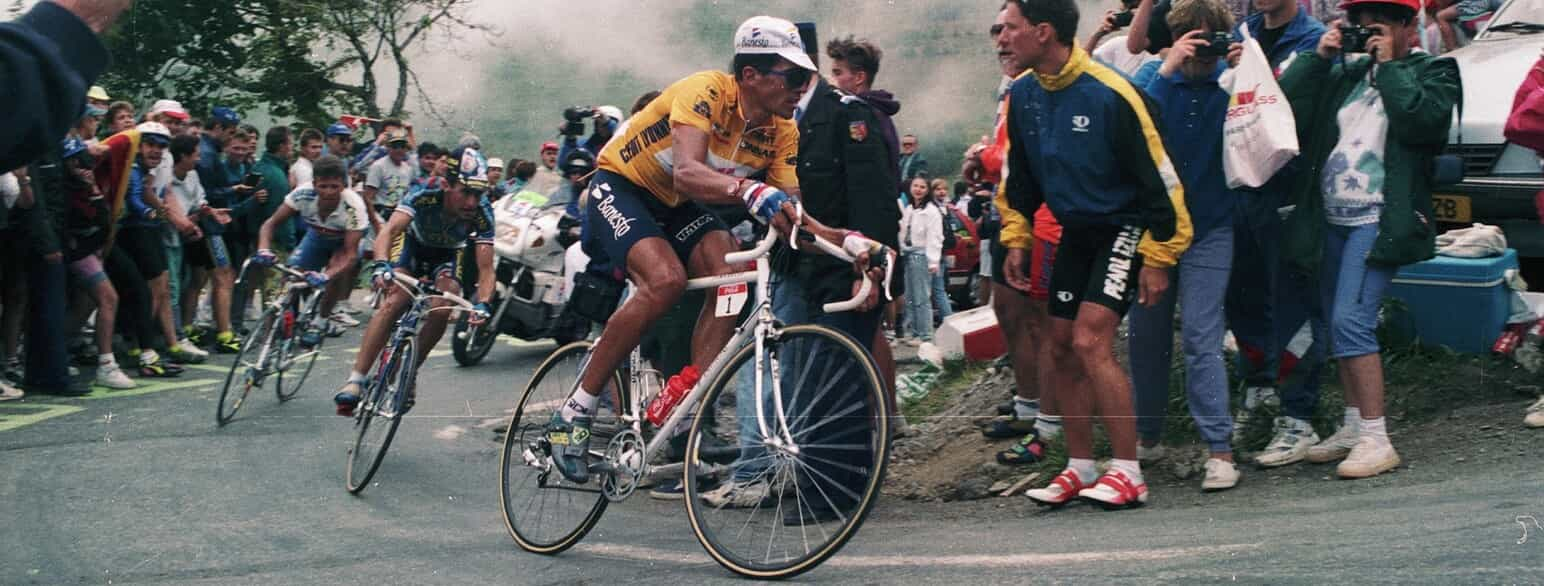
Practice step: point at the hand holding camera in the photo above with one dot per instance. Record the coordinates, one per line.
(1195, 44)
(574, 118)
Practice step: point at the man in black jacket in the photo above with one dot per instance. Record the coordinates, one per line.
(48, 58)
(42, 229)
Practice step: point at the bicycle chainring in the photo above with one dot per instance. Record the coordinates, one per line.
(624, 457)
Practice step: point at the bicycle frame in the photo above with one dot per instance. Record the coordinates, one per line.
(761, 325)
(422, 295)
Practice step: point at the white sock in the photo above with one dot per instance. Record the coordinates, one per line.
(1026, 408)
(1132, 468)
(1353, 418)
(148, 356)
(355, 376)
(1085, 469)
(580, 403)
(1376, 429)
(1048, 426)
(106, 359)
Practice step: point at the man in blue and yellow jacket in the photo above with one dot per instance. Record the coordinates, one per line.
(1082, 140)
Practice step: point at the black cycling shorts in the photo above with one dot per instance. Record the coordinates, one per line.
(145, 248)
(424, 262)
(1095, 264)
(619, 213)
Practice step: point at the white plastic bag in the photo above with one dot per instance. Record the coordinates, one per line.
(1259, 135)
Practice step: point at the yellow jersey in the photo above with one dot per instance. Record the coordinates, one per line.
(708, 101)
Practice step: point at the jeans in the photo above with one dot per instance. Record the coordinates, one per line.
(174, 273)
(1352, 290)
(1268, 304)
(47, 359)
(919, 287)
(1200, 287)
(941, 295)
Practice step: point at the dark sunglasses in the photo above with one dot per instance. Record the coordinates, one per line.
(794, 77)
(995, 31)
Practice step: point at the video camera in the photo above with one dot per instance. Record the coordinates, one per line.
(574, 118)
(1216, 45)
(1353, 39)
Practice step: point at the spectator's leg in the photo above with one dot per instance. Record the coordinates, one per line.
(1151, 344)
(1093, 339)
(1203, 284)
(14, 293)
(1249, 306)
(47, 362)
(941, 303)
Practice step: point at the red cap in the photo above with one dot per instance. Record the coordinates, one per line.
(549, 146)
(1411, 4)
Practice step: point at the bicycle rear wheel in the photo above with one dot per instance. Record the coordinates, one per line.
(379, 413)
(785, 507)
(250, 368)
(544, 512)
(295, 360)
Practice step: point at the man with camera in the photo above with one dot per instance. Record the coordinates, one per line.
(1113, 51)
(1372, 116)
(607, 120)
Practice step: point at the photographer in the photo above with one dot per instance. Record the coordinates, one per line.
(607, 120)
(1113, 51)
(1191, 108)
(1371, 116)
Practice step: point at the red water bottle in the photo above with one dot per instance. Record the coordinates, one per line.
(674, 391)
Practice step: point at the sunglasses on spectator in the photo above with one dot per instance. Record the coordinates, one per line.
(793, 77)
(996, 30)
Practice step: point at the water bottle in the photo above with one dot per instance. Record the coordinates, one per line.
(675, 390)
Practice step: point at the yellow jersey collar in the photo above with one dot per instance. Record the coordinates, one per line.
(1077, 63)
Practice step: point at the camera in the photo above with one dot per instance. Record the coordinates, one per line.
(1353, 39)
(1123, 19)
(575, 117)
(1216, 45)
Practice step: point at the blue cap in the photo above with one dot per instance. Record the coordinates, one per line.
(339, 129)
(72, 146)
(224, 115)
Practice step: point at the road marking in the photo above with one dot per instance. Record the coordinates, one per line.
(450, 432)
(975, 561)
(146, 387)
(32, 413)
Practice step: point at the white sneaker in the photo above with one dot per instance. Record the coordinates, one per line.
(187, 348)
(1220, 475)
(1369, 458)
(1335, 447)
(1535, 417)
(1146, 454)
(1290, 443)
(343, 318)
(9, 392)
(113, 377)
(1263, 397)
(737, 494)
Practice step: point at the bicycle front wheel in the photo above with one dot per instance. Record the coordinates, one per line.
(250, 369)
(295, 359)
(379, 413)
(546, 513)
(809, 468)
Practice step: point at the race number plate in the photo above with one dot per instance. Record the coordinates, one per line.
(1452, 208)
(731, 298)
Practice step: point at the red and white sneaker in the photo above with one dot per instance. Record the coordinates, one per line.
(1062, 490)
(1115, 491)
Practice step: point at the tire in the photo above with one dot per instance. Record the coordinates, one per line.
(260, 344)
(524, 488)
(471, 350)
(294, 370)
(374, 429)
(827, 378)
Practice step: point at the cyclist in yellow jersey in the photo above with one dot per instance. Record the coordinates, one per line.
(700, 142)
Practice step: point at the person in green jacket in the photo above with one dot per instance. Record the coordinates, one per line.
(1370, 120)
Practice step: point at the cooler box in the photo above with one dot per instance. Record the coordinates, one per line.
(973, 334)
(1461, 303)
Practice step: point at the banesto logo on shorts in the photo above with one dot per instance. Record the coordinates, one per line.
(620, 223)
(1118, 274)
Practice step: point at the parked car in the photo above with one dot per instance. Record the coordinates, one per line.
(964, 260)
(1500, 179)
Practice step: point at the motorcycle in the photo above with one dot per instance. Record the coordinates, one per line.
(527, 303)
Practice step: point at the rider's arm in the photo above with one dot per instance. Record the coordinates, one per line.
(343, 258)
(485, 272)
(265, 233)
(693, 177)
(388, 233)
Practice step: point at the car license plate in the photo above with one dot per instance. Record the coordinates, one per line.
(1452, 208)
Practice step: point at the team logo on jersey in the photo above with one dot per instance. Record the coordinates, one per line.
(858, 131)
(1080, 123)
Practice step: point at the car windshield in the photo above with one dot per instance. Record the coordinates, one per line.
(1517, 17)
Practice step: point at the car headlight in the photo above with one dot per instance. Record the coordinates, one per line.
(1517, 160)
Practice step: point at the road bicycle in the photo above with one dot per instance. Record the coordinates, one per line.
(390, 393)
(283, 347)
(811, 459)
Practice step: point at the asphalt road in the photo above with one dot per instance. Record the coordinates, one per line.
(142, 487)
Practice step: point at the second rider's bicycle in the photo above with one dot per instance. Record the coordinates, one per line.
(283, 347)
(806, 465)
